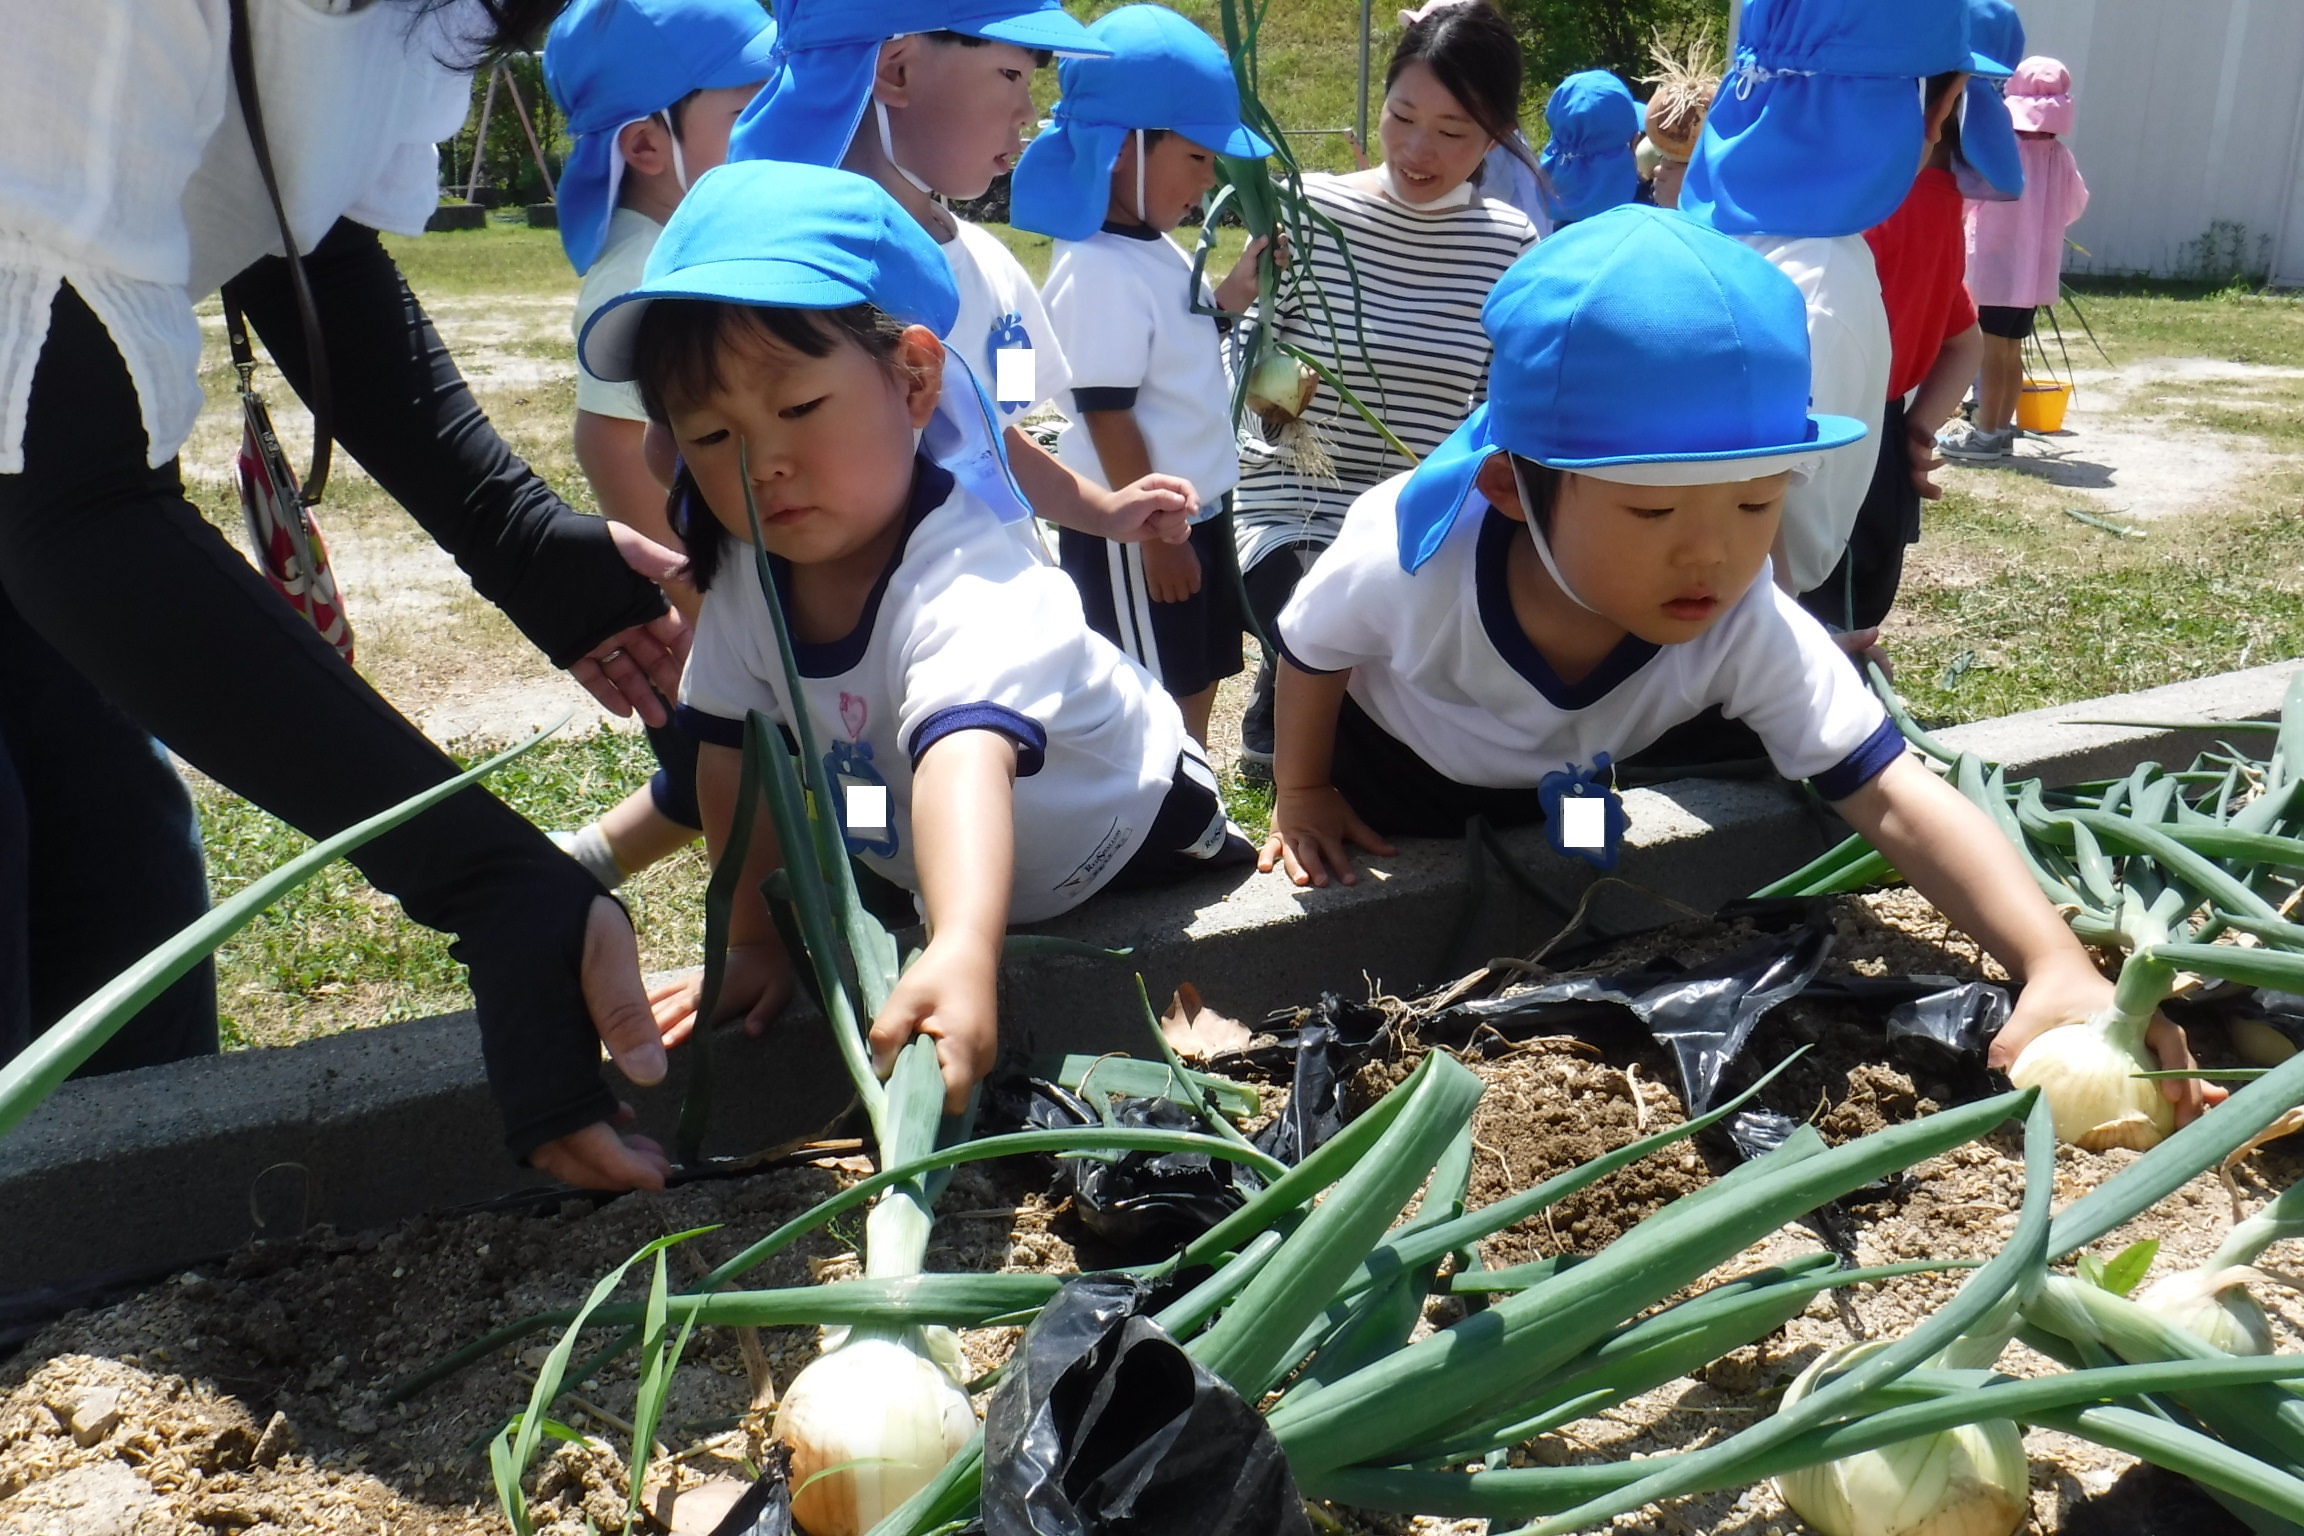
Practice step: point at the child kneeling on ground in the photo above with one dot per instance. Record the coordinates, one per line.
(1647, 408)
(787, 329)
(1130, 151)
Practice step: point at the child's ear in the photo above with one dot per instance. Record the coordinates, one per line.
(892, 73)
(1497, 482)
(920, 357)
(645, 146)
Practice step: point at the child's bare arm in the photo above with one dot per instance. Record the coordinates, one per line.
(1149, 507)
(1313, 825)
(759, 980)
(1954, 855)
(1939, 396)
(964, 847)
(1171, 571)
(612, 453)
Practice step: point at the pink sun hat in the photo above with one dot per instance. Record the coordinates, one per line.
(2040, 97)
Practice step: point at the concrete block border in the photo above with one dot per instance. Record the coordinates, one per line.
(146, 1170)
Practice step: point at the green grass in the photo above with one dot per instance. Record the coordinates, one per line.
(504, 258)
(2139, 318)
(337, 955)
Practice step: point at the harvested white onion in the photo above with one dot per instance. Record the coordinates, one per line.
(869, 1425)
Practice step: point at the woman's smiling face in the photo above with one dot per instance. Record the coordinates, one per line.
(1430, 142)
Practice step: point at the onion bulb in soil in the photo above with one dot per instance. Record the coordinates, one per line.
(2087, 1071)
(1969, 1481)
(1280, 391)
(2214, 1306)
(869, 1424)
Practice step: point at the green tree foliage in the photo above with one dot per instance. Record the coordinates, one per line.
(508, 169)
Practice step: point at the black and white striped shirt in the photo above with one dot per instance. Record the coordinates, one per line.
(1422, 280)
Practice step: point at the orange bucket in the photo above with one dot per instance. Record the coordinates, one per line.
(2040, 408)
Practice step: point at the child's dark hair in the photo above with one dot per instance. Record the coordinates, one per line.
(1542, 484)
(1475, 53)
(679, 353)
(1041, 57)
(1939, 86)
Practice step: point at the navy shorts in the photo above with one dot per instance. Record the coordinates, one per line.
(1188, 645)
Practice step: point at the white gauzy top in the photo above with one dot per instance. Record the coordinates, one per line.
(1121, 302)
(1439, 660)
(128, 175)
(1849, 358)
(615, 272)
(967, 630)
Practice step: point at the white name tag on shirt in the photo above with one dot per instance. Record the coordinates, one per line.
(1583, 822)
(1014, 376)
(867, 807)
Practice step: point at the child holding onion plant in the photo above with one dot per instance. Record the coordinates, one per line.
(1131, 149)
(786, 335)
(1584, 564)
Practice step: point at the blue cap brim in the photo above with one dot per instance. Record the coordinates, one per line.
(606, 345)
(1235, 141)
(1440, 487)
(1057, 31)
(1989, 148)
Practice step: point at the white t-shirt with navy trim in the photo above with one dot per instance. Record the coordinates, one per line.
(616, 271)
(965, 631)
(1121, 301)
(1000, 311)
(1439, 660)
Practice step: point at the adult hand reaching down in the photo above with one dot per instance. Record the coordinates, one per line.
(599, 1156)
(635, 670)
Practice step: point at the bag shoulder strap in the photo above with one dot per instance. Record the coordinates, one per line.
(319, 395)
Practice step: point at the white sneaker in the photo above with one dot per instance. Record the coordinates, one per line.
(1970, 442)
(589, 847)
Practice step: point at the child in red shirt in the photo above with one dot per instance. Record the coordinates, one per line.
(1922, 254)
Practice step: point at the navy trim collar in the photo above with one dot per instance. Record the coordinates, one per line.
(1131, 231)
(1512, 642)
(932, 486)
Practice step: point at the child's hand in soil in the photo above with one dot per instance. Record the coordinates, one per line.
(758, 983)
(1171, 572)
(1312, 832)
(951, 994)
(2073, 993)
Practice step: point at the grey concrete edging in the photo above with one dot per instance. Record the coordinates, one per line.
(159, 1167)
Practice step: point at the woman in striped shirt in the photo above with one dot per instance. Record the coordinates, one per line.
(1426, 248)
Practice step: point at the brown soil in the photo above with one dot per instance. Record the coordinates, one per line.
(250, 1400)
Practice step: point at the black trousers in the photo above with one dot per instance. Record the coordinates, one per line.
(105, 560)
(1863, 586)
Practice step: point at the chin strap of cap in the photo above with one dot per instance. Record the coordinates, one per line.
(888, 149)
(1543, 545)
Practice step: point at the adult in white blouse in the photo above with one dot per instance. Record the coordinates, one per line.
(129, 191)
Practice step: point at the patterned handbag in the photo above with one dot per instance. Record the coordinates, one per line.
(278, 510)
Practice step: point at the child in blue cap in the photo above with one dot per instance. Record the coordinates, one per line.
(1814, 137)
(1584, 564)
(651, 89)
(1588, 163)
(930, 98)
(787, 330)
(1130, 150)
(1935, 344)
